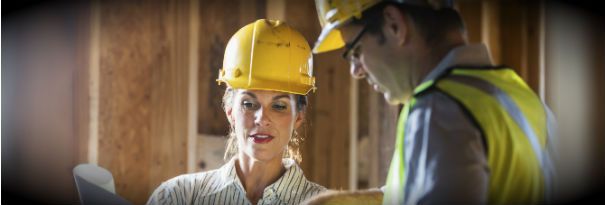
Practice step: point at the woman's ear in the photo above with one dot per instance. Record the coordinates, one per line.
(300, 118)
(229, 115)
(395, 25)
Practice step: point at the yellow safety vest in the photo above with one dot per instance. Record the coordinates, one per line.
(514, 123)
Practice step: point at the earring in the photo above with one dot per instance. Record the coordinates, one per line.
(295, 138)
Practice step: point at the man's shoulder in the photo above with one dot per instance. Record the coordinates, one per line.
(435, 98)
(438, 111)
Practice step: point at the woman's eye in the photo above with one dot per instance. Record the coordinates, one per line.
(249, 105)
(279, 106)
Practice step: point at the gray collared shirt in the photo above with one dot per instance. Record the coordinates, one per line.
(222, 186)
(446, 159)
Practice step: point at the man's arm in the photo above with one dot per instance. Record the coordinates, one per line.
(446, 154)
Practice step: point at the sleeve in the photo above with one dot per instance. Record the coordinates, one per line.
(157, 195)
(446, 155)
(163, 194)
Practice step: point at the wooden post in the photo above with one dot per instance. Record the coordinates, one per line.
(490, 28)
(382, 131)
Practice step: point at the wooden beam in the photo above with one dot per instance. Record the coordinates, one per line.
(375, 135)
(94, 80)
(82, 84)
(354, 136)
(382, 131)
(535, 48)
(194, 24)
(514, 36)
(490, 28)
(471, 14)
(363, 141)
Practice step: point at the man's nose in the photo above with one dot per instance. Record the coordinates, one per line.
(357, 70)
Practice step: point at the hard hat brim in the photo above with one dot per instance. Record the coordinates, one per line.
(330, 38)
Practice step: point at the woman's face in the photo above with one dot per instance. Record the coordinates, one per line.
(263, 122)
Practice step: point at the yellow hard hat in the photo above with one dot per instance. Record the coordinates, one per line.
(334, 13)
(268, 55)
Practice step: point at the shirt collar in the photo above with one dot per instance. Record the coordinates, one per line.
(466, 55)
(287, 186)
(229, 174)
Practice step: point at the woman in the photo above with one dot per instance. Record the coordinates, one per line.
(268, 72)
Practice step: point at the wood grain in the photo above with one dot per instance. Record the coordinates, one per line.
(143, 95)
(325, 154)
(217, 27)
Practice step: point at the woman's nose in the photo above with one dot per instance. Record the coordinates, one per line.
(262, 118)
(357, 70)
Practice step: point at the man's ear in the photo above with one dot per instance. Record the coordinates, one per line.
(395, 25)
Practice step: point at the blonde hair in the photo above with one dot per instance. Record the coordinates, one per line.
(293, 145)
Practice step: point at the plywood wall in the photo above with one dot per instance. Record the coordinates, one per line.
(326, 150)
(143, 96)
(219, 20)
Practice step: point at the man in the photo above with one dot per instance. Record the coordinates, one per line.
(470, 132)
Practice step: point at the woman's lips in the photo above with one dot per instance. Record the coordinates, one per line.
(261, 138)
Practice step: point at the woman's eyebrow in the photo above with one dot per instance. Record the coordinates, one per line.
(281, 96)
(249, 93)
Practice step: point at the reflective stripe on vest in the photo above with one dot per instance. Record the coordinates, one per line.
(394, 193)
(506, 109)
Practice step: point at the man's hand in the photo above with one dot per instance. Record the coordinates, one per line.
(346, 197)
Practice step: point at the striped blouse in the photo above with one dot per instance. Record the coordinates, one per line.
(222, 186)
